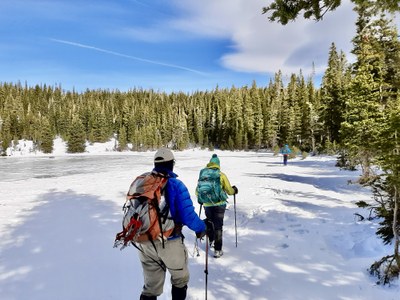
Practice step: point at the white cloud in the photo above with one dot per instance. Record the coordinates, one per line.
(261, 46)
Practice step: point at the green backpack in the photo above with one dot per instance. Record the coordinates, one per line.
(209, 187)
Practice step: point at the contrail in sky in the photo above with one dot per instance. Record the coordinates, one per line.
(127, 56)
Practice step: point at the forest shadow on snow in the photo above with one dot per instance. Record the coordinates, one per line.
(64, 250)
(273, 250)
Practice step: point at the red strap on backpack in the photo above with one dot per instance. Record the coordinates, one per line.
(128, 233)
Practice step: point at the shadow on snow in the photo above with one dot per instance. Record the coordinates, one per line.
(64, 250)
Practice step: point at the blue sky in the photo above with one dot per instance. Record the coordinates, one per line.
(174, 45)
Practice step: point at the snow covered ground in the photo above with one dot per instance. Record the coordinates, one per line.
(297, 234)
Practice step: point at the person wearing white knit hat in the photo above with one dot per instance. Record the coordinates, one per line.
(157, 257)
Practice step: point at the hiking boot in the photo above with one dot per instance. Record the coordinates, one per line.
(179, 293)
(218, 253)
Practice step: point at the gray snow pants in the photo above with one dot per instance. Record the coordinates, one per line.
(156, 260)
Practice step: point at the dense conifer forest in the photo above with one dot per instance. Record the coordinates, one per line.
(236, 118)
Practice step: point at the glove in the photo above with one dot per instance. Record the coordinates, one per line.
(235, 189)
(201, 234)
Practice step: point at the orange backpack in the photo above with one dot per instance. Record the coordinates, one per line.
(146, 213)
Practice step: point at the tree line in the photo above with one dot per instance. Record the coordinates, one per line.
(235, 118)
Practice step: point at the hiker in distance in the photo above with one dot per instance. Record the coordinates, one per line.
(212, 192)
(156, 256)
(285, 150)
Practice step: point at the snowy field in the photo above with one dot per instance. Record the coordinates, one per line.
(298, 237)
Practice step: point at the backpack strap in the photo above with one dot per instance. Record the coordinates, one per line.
(161, 264)
(158, 193)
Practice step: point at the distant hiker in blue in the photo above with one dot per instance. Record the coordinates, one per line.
(155, 258)
(212, 189)
(285, 151)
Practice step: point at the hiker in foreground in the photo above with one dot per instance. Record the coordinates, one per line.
(212, 192)
(167, 253)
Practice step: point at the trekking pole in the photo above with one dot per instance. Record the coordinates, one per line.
(234, 208)
(206, 267)
(196, 243)
(196, 247)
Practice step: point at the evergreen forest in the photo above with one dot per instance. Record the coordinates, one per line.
(236, 118)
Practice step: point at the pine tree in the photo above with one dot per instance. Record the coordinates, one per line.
(6, 134)
(293, 112)
(46, 139)
(272, 110)
(364, 116)
(122, 140)
(314, 104)
(99, 128)
(235, 118)
(283, 118)
(76, 137)
(377, 124)
(248, 116)
(258, 126)
(333, 90)
(385, 188)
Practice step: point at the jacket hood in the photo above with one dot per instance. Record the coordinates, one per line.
(213, 165)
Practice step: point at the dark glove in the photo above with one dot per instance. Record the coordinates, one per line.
(201, 234)
(235, 189)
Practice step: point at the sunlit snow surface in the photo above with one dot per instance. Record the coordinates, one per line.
(298, 237)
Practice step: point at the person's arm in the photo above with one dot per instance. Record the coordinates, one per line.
(226, 185)
(185, 209)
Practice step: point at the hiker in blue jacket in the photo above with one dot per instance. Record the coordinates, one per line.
(173, 256)
(285, 151)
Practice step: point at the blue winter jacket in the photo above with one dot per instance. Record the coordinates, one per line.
(286, 150)
(180, 203)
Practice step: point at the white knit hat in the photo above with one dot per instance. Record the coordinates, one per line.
(163, 154)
